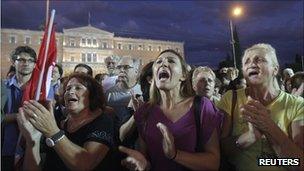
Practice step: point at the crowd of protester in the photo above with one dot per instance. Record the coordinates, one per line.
(165, 115)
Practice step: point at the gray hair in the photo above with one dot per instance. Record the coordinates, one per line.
(202, 69)
(112, 58)
(267, 48)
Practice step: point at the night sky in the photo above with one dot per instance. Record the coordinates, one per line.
(202, 25)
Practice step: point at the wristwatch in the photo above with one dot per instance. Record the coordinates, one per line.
(51, 141)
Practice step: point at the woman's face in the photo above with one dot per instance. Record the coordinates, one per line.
(167, 71)
(76, 96)
(258, 68)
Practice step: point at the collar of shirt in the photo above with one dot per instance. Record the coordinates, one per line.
(13, 82)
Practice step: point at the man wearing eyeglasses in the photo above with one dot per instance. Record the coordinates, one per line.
(119, 95)
(23, 59)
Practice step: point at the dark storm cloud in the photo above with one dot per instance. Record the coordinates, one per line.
(201, 25)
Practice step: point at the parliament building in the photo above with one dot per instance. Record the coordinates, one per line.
(86, 44)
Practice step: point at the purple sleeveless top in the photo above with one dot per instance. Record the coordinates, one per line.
(183, 131)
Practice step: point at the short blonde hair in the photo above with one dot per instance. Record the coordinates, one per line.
(269, 52)
(267, 48)
(202, 69)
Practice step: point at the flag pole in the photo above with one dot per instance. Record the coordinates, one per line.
(47, 11)
(50, 26)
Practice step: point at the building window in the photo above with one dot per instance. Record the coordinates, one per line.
(159, 48)
(89, 42)
(83, 41)
(130, 47)
(27, 40)
(104, 45)
(94, 42)
(72, 42)
(177, 50)
(140, 47)
(89, 57)
(12, 39)
(83, 57)
(150, 48)
(94, 57)
(72, 58)
(119, 46)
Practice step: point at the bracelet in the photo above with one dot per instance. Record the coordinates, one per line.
(174, 155)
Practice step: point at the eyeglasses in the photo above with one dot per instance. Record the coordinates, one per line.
(125, 67)
(110, 63)
(23, 60)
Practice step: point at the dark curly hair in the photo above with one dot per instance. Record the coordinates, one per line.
(96, 95)
(23, 49)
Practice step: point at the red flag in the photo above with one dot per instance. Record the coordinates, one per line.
(31, 87)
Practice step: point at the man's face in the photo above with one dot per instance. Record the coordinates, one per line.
(126, 72)
(24, 64)
(203, 84)
(111, 66)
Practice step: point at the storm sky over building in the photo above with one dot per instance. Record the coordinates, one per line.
(201, 25)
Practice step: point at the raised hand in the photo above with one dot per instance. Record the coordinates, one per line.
(41, 118)
(249, 137)
(135, 160)
(29, 132)
(257, 114)
(136, 102)
(168, 141)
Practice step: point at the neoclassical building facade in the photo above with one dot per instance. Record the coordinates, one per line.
(86, 44)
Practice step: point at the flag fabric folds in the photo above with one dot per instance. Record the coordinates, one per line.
(30, 89)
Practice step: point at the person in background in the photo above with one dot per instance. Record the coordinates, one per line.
(110, 80)
(217, 87)
(237, 83)
(55, 82)
(100, 77)
(83, 141)
(203, 82)
(24, 60)
(119, 95)
(145, 79)
(297, 84)
(83, 68)
(267, 122)
(166, 124)
(287, 74)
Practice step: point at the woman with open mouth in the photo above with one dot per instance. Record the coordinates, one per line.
(167, 123)
(83, 141)
(262, 122)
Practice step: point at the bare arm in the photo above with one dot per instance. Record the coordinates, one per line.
(74, 157)
(81, 158)
(286, 147)
(32, 136)
(32, 157)
(127, 128)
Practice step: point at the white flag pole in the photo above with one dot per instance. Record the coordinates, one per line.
(38, 90)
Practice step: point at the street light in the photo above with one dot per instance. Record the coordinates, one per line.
(237, 11)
